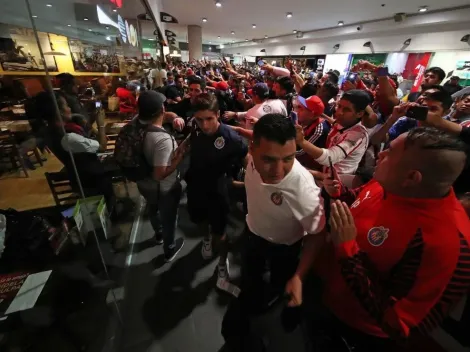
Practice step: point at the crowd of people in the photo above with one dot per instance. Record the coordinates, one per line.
(347, 183)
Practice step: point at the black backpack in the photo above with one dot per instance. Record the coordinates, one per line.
(129, 150)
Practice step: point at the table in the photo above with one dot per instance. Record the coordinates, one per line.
(15, 126)
(114, 127)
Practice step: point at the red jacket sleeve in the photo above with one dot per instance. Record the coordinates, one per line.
(420, 290)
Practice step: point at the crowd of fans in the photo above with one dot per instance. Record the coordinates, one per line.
(348, 183)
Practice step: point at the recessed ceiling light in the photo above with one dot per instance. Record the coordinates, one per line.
(204, 19)
(265, 37)
(289, 15)
(34, 16)
(218, 4)
(294, 31)
(114, 10)
(340, 23)
(246, 40)
(108, 38)
(89, 29)
(85, 18)
(48, 5)
(210, 42)
(233, 32)
(69, 25)
(107, 27)
(233, 41)
(423, 9)
(253, 25)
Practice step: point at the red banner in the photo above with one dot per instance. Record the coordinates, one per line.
(415, 68)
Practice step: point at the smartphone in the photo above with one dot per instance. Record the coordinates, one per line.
(312, 74)
(138, 88)
(332, 173)
(261, 63)
(294, 117)
(382, 71)
(98, 104)
(261, 72)
(419, 113)
(352, 77)
(217, 70)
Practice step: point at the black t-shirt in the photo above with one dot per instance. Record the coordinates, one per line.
(184, 109)
(173, 92)
(212, 157)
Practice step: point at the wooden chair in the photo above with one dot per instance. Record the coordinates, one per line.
(61, 188)
(9, 150)
(111, 144)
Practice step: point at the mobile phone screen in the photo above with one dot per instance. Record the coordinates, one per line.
(261, 63)
(98, 104)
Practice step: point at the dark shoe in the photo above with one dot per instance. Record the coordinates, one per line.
(172, 252)
(159, 238)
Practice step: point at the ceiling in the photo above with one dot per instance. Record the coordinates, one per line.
(270, 15)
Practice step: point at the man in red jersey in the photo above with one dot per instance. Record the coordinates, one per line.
(399, 256)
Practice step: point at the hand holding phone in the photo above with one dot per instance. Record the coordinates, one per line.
(332, 183)
(352, 77)
(419, 113)
(261, 63)
(294, 117)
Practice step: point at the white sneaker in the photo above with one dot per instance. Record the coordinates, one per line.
(206, 249)
(223, 271)
(227, 286)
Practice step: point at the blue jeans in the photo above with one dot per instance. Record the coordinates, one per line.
(163, 212)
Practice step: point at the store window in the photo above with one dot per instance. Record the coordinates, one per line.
(66, 210)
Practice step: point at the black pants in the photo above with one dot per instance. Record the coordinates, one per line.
(257, 256)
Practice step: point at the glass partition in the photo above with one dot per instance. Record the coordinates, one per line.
(67, 210)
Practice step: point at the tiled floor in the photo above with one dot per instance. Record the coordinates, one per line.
(175, 307)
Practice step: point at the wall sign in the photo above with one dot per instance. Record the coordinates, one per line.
(128, 32)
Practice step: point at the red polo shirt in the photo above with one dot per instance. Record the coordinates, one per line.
(408, 265)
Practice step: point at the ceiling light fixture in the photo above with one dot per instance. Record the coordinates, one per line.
(204, 19)
(253, 25)
(218, 3)
(265, 37)
(107, 27)
(233, 41)
(48, 5)
(336, 47)
(89, 29)
(34, 16)
(69, 25)
(53, 52)
(294, 31)
(210, 42)
(246, 40)
(218, 36)
(85, 18)
(407, 42)
(233, 32)
(423, 9)
(289, 15)
(340, 23)
(465, 38)
(108, 38)
(367, 44)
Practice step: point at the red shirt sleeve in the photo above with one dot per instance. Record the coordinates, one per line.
(426, 283)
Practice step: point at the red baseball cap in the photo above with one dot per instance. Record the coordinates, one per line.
(314, 104)
(222, 85)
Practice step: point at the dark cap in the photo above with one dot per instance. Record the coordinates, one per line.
(261, 90)
(150, 103)
(457, 78)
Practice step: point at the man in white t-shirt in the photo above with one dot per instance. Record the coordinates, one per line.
(159, 76)
(348, 139)
(285, 221)
(263, 106)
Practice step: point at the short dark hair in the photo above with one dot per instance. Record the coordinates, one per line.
(441, 96)
(205, 101)
(225, 75)
(333, 77)
(65, 79)
(331, 88)
(437, 71)
(170, 74)
(163, 65)
(432, 138)
(308, 90)
(197, 80)
(177, 77)
(275, 128)
(359, 98)
(286, 84)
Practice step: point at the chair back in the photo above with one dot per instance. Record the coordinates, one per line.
(61, 188)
